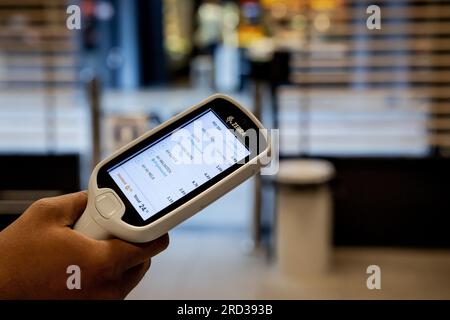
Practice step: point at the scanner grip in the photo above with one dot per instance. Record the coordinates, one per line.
(90, 228)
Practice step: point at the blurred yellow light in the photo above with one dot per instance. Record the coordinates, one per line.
(290, 3)
(249, 35)
(279, 10)
(268, 3)
(322, 22)
(324, 4)
(299, 22)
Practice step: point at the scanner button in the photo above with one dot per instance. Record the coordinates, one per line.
(107, 204)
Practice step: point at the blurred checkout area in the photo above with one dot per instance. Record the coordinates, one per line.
(363, 133)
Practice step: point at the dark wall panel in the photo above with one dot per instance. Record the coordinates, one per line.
(392, 202)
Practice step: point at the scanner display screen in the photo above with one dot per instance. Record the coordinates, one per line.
(177, 164)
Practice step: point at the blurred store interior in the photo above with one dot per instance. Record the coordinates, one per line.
(364, 133)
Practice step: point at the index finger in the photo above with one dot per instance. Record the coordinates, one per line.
(126, 255)
(65, 209)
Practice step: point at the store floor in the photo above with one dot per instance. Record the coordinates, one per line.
(208, 258)
(213, 266)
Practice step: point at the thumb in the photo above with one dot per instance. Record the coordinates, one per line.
(126, 255)
(63, 210)
(76, 203)
(69, 207)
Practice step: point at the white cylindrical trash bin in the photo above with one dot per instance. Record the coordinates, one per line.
(304, 217)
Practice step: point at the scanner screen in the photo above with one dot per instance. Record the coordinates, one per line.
(177, 164)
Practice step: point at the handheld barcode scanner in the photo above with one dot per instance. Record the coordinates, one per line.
(164, 177)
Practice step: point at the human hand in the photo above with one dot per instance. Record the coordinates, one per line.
(37, 249)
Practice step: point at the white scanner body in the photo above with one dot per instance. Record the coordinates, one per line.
(102, 218)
